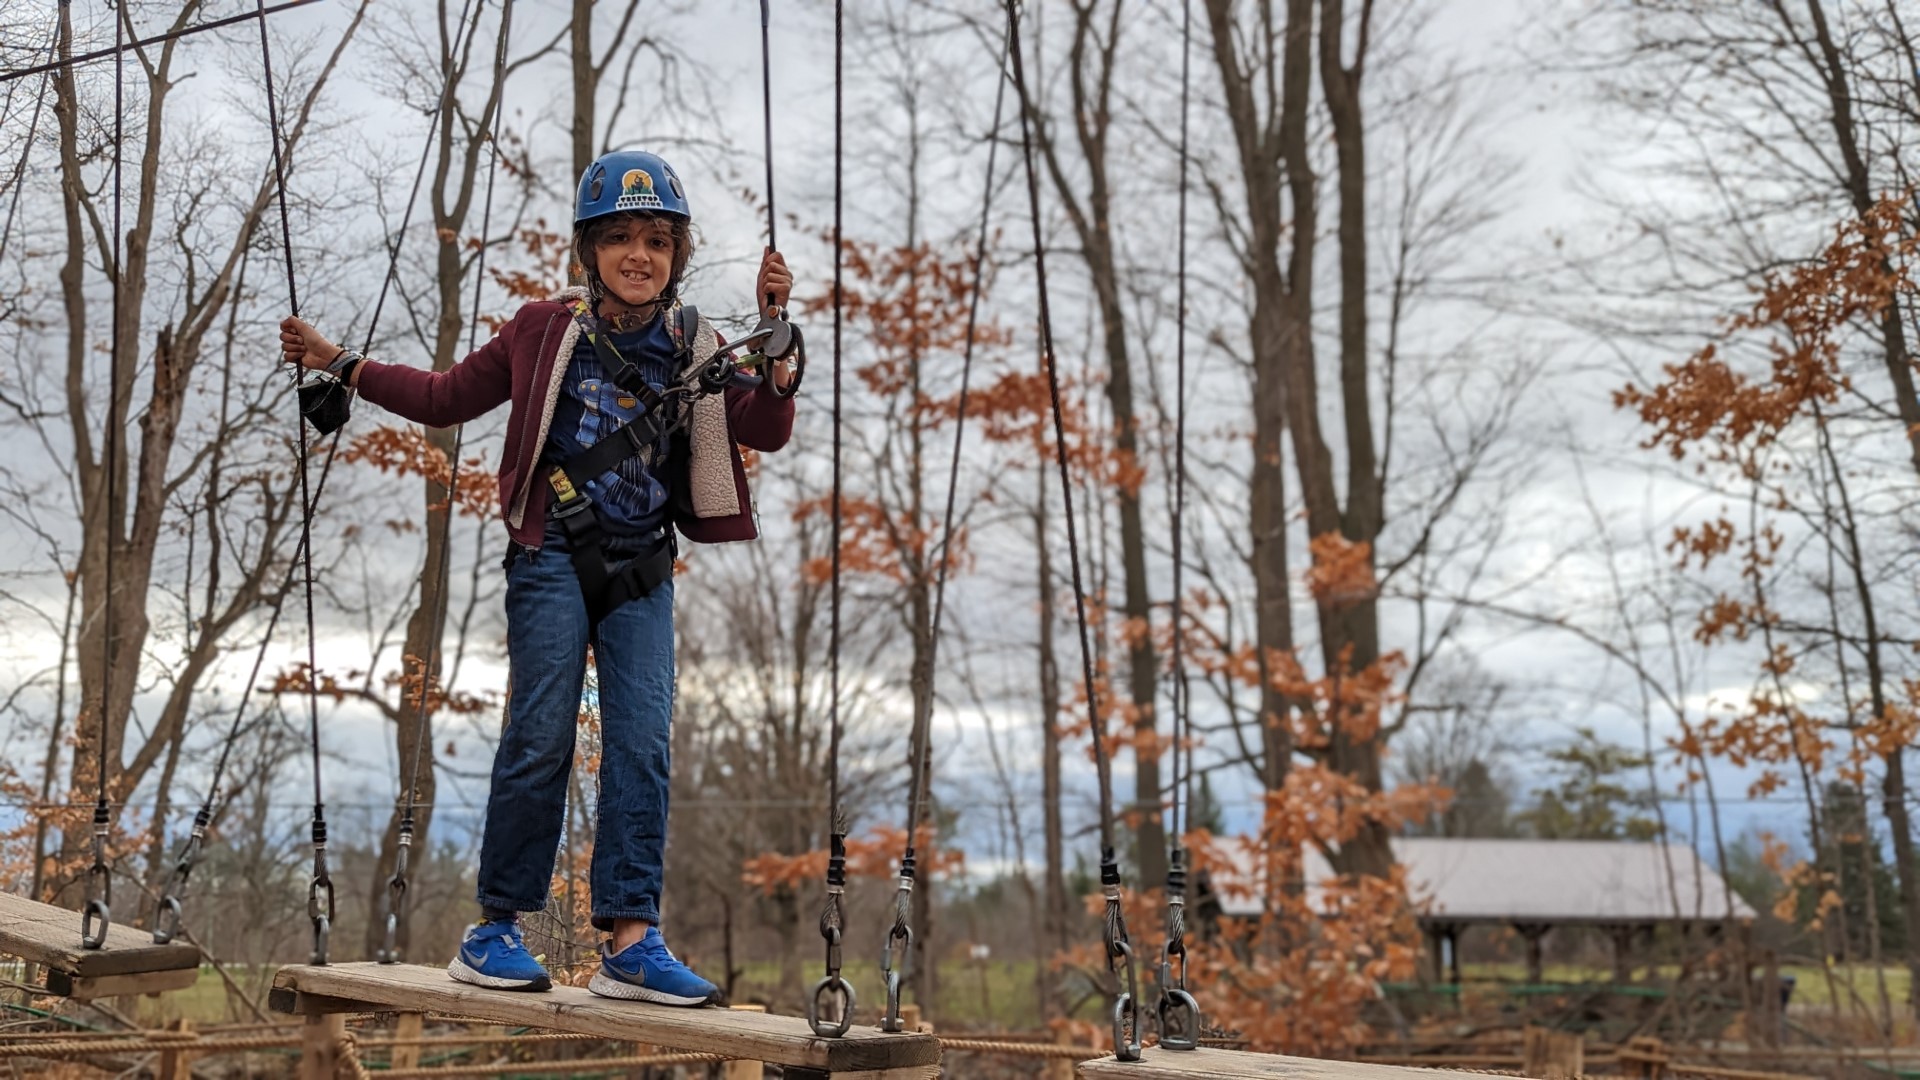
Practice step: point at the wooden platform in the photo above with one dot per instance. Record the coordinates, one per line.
(1158, 1064)
(129, 962)
(777, 1040)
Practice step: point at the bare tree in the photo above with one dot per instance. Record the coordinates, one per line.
(126, 497)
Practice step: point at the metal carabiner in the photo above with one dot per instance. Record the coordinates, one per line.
(1179, 1020)
(1179, 1012)
(98, 914)
(320, 910)
(839, 993)
(891, 1021)
(99, 911)
(166, 915)
(389, 951)
(166, 920)
(1126, 1014)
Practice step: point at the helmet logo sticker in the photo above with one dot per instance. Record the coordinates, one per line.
(636, 192)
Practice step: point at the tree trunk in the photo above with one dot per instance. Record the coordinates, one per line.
(1273, 157)
(586, 86)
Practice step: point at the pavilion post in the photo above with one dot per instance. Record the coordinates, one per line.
(1533, 932)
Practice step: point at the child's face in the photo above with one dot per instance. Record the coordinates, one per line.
(635, 260)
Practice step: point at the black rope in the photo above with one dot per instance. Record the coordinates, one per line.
(1179, 1013)
(397, 884)
(99, 912)
(320, 886)
(766, 111)
(921, 737)
(1126, 1027)
(830, 1009)
(157, 39)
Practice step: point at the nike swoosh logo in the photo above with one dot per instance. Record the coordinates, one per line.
(474, 960)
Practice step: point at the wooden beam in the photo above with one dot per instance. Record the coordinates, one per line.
(50, 936)
(1158, 1064)
(93, 988)
(779, 1040)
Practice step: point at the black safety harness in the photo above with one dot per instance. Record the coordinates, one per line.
(607, 584)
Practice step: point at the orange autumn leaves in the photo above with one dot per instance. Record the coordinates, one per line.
(1805, 315)
(869, 856)
(1757, 402)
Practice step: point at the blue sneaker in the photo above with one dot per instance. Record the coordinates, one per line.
(492, 955)
(646, 971)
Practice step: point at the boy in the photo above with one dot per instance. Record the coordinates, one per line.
(591, 510)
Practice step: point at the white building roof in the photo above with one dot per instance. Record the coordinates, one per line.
(1543, 881)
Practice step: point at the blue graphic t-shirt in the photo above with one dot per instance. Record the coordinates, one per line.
(630, 499)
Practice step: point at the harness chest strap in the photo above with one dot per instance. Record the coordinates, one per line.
(603, 588)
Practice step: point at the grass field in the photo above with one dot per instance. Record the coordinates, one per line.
(1811, 986)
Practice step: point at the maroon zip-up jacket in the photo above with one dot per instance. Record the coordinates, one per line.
(526, 363)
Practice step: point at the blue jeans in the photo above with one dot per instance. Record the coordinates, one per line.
(547, 639)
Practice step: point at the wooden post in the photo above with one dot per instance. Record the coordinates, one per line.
(744, 1070)
(406, 1026)
(1765, 1023)
(320, 1046)
(910, 1019)
(177, 1064)
(1622, 953)
(1553, 1055)
(1060, 1068)
(1536, 965)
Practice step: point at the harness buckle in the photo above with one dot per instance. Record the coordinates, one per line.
(568, 499)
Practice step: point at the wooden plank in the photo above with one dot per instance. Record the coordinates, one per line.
(744, 1070)
(1158, 1064)
(50, 936)
(92, 988)
(778, 1040)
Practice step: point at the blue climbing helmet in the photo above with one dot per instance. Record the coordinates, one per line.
(623, 180)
